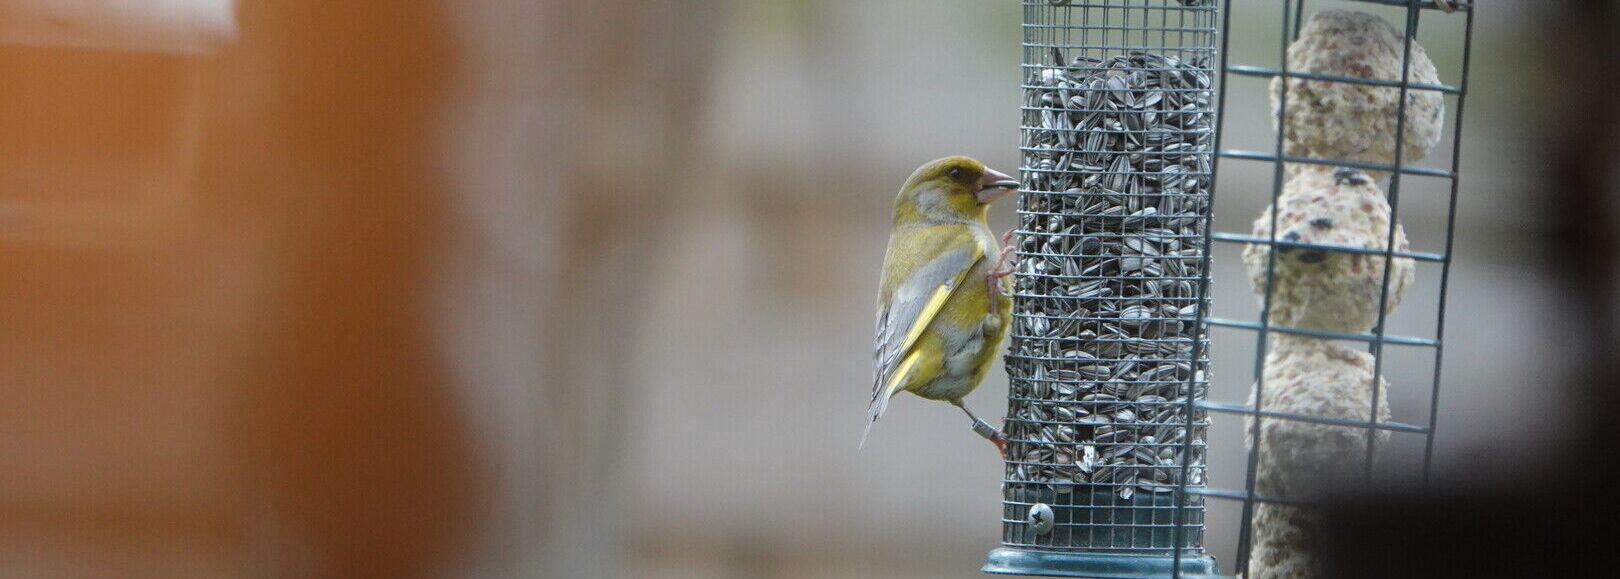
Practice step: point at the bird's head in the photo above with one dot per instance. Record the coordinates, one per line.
(951, 189)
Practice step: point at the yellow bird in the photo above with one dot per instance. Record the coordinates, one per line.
(942, 308)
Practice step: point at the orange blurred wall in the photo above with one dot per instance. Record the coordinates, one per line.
(332, 296)
(214, 352)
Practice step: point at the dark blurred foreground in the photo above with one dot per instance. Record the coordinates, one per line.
(1555, 517)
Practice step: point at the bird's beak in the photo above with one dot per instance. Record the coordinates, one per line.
(994, 185)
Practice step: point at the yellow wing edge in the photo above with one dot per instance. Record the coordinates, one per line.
(935, 303)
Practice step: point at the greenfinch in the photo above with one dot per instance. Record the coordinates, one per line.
(942, 306)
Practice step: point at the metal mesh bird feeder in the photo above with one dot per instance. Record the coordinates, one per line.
(1107, 359)
(1107, 412)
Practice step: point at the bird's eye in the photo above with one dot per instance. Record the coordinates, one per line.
(956, 173)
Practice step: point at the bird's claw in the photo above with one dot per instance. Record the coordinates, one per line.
(992, 279)
(1000, 268)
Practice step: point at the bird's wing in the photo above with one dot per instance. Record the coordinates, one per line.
(906, 314)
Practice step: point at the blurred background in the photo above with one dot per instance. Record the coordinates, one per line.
(506, 288)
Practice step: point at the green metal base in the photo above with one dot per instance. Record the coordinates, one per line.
(1096, 565)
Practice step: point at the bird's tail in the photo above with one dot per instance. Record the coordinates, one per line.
(881, 393)
(880, 403)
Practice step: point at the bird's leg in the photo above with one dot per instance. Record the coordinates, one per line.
(997, 271)
(984, 429)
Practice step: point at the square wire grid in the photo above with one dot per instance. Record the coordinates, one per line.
(1292, 21)
(1107, 357)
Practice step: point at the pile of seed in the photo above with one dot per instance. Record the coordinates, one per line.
(1117, 166)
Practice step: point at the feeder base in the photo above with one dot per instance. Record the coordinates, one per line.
(1006, 561)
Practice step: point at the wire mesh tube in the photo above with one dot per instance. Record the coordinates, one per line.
(1108, 353)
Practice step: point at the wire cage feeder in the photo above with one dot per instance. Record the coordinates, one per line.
(1108, 409)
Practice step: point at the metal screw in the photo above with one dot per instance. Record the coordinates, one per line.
(1041, 519)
